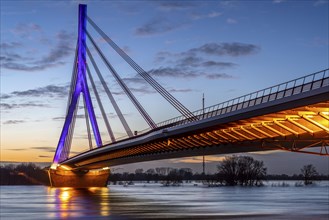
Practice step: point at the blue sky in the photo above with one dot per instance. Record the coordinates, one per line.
(223, 49)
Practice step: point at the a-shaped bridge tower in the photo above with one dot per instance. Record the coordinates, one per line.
(79, 87)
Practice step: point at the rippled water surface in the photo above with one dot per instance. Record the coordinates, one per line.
(152, 201)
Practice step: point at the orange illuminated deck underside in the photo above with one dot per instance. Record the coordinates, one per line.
(301, 123)
(293, 130)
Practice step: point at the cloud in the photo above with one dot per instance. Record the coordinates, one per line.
(6, 106)
(229, 3)
(62, 49)
(278, 1)
(47, 91)
(163, 55)
(24, 30)
(200, 57)
(10, 45)
(6, 59)
(143, 90)
(198, 16)
(79, 116)
(189, 60)
(231, 21)
(180, 73)
(10, 11)
(17, 149)
(320, 2)
(61, 118)
(5, 96)
(157, 26)
(28, 68)
(44, 156)
(14, 60)
(129, 7)
(172, 72)
(134, 80)
(218, 76)
(13, 122)
(198, 61)
(9, 57)
(230, 49)
(46, 149)
(180, 90)
(176, 5)
(214, 14)
(218, 64)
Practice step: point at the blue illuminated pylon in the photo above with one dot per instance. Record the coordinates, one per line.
(81, 86)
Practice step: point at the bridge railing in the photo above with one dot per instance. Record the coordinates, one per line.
(293, 87)
(303, 84)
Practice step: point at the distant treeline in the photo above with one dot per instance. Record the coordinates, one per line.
(23, 174)
(237, 175)
(179, 175)
(232, 171)
(294, 177)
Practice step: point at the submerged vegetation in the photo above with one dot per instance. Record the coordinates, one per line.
(309, 173)
(243, 170)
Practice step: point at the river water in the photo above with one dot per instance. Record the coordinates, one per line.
(275, 200)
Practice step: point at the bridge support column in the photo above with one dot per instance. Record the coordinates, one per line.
(78, 179)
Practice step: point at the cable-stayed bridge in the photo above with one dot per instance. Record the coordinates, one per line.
(291, 116)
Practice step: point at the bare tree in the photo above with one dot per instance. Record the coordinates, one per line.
(228, 170)
(241, 170)
(309, 173)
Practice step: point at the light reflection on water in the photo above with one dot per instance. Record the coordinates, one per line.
(157, 202)
(78, 203)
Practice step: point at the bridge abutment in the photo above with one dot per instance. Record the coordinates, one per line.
(78, 179)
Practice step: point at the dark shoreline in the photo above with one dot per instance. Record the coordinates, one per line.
(31, 174)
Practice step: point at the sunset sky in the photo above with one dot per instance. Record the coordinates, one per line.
(223, 49)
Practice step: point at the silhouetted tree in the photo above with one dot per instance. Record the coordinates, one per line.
(23, 174)
(241, 170)
(139, 175)
(185, 173)
(150, 171)
(228, 170)
(309, 173)
(139, 171)
(174, 177)
(150, 174)
(163, 171)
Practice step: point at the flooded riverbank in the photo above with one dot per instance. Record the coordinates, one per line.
(275, 200)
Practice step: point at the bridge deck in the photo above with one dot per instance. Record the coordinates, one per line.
(289, 122)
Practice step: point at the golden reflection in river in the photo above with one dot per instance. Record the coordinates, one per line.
(104, 202)
(72, 203)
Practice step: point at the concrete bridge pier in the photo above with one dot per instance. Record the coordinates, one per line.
(78, 179)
